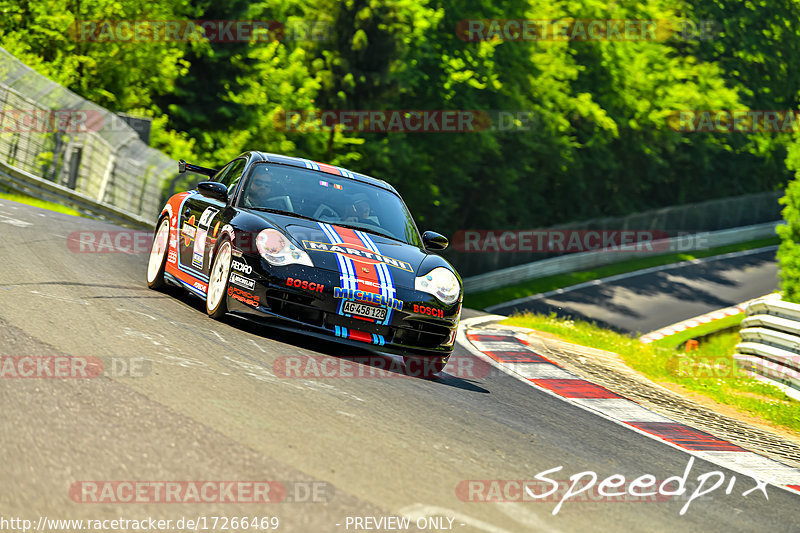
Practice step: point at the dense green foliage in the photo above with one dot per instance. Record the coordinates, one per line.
(789, 251)
(600, 143)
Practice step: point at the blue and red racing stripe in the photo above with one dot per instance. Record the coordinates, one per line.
(360, 274)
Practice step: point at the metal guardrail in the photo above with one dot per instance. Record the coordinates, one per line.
(586, 260)
(770, 345)
(684, 219)
(26, 183)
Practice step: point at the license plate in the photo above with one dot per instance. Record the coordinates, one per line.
(369, 311)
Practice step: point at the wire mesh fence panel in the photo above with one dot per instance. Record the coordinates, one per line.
(52, 133)
(487, 255)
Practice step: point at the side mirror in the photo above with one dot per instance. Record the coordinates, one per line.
(214, 190)
(434, 241)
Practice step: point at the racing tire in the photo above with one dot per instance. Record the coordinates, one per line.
(216, 302)
(158, 256)
(424, 367)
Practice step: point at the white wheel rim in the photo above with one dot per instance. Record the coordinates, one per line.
(219, 276)
(157, 251)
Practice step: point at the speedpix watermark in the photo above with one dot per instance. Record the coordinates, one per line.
(217, 31)
(568, 29)
(613, 488)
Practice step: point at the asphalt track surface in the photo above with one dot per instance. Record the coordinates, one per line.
(649, 301)
(210, 408)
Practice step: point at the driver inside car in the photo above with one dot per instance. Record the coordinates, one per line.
(362, 210)
(263, 191)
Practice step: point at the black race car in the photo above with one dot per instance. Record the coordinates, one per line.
(328, 251)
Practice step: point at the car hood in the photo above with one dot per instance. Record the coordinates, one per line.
(327, 243)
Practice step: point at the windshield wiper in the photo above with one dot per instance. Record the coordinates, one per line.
(369, 230)
(282, 212)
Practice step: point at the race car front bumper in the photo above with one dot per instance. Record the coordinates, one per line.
(309, 299)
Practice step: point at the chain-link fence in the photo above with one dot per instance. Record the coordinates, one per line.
(50, 132)
(488, 255)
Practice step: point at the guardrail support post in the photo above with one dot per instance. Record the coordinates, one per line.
(74, 166)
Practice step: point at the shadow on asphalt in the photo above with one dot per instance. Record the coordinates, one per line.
(273, 331)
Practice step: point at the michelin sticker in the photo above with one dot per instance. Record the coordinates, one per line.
(242, 281)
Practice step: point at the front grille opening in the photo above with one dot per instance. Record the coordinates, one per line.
(295, 307)
(422, 334)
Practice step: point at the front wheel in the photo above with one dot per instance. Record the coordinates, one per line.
(158, 256)
(424, 367)
(216, 305)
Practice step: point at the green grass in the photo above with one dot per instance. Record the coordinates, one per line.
(482, 300)
(710, 370)
(678, 339)
(21, 198)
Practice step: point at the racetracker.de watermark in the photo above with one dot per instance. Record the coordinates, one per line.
(713, 368)
(142, 523)
(583, 490)
(474, 30)
(110, 242)
(374, 367)
(404, 120)
(216, 31)
(136, 241)
(200, 491)
(574, 241)
(736, 121)
(69, 367)
(50, 120)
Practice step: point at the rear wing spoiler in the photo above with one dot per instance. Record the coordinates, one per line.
(183, 166)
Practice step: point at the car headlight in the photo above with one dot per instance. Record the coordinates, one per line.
(441, 283)
(278, 250)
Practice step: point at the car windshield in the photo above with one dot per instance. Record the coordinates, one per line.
(329, 198)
